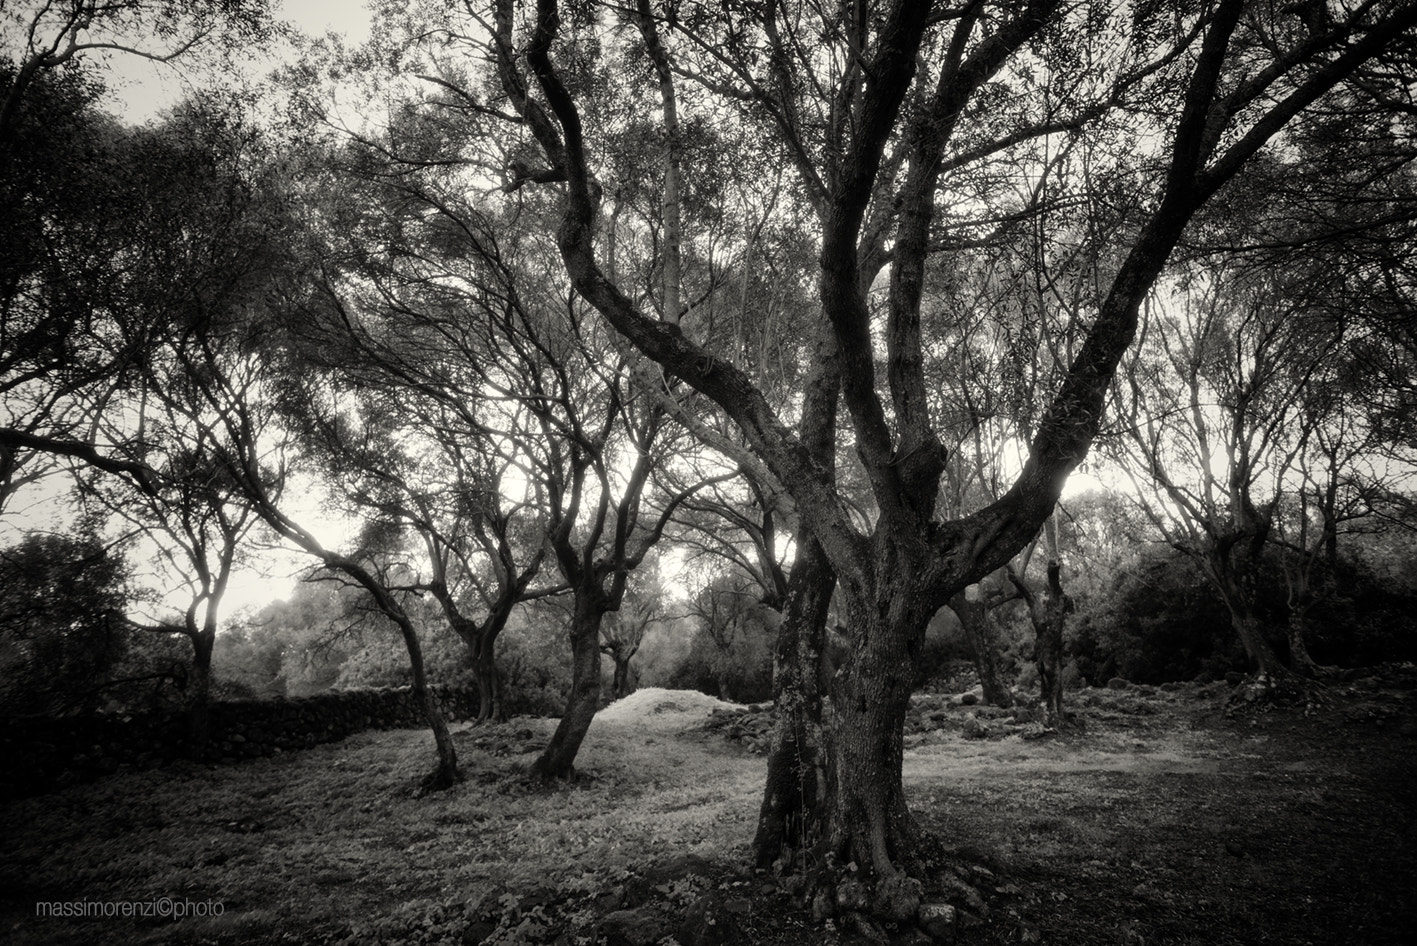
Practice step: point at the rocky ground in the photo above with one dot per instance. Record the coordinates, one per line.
(1186, 814)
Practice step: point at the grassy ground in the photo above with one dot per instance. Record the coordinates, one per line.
(1161, 819)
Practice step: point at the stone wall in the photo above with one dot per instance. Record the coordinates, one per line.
(40, 755)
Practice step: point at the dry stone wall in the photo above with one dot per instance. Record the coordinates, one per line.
(43, 754)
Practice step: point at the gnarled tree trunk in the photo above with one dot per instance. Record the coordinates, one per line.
(867, 820)
(557, 760)
(789, 820)
(1299, 657)
(489, 679)
(983, 640)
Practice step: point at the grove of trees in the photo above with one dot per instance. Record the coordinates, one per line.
(782, 325)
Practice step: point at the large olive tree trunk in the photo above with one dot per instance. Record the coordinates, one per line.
(789, 821)
(868, 821)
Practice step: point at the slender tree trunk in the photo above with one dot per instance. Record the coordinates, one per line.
(1048, 614)
(1049, 645)
(983, 641)
(789, 820)
(445, 773)
(197, 699)
(1048, 655)
(620, 686)
(557, 760)
(1299, 659)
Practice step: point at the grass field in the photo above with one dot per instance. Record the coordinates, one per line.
(1161, 819)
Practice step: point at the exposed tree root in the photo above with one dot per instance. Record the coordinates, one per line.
(936, 895)
(440, 779)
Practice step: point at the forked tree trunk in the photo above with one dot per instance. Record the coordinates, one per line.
(1251, 632)
(1249, 628)
(620, 686)
(983, 641)
(557, 760)
(789, 820)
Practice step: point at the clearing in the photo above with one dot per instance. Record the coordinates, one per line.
(1166, 816)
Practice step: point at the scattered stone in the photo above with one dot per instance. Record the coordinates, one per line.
(969, 921)
(478, 932)
(708, 922)
(939, 920)
(867, 928)
(632, 928)
(974, 728)
(244, 826)
(961, 890)
(897, 898)
(852, 896)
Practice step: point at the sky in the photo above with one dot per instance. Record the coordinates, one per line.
(140, 89)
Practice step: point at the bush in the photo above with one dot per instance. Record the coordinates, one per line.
(1155, 623)
(740, 673)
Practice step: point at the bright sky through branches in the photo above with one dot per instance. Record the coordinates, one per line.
(139, 89)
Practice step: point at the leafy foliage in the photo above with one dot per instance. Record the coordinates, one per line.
(60, 649)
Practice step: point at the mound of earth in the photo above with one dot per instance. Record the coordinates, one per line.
(663, 709)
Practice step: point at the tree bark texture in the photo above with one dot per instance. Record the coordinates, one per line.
(1299, 658)
(445, 773)
(621, 685)
(1239, 602)
(983, 638)
(489, 681)
(557, 760)
(1048, 648)
(868, 820)
(789, 820)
